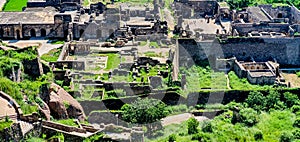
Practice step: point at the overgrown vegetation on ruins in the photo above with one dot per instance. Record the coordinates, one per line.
(29, 86)
(52, 55)
(262, 117)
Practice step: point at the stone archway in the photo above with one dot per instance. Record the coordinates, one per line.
(81, 33)
(280, 15)
(43, 33)
(18, 33)
(66, 33)
(32, 33)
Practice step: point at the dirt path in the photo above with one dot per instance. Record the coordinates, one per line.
(177, 119)
(44, 46)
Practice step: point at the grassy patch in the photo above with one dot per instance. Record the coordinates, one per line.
(14, 5)
(113, 61)
(153, 54)
(86, 3)
(5, 124)
(237, 83)
(57, 42)
(52, 55)
(204, 78)
(143, 43)
(154, 44)
(69, 122)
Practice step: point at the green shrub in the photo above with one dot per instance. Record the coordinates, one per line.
(207, 127)
(193, 126)
(298, 74)
(286, 137)
(297, 123)
(296, 134)
(172, 138)
(258, 135)
(295, 108)
(248, 116)
(201, 137)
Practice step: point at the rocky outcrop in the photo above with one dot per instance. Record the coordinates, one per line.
(63, 105)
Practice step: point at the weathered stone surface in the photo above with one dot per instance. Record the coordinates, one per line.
(63, 105)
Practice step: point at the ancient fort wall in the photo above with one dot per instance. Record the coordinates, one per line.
(285, 50)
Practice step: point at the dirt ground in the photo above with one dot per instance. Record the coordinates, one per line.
(293, 78)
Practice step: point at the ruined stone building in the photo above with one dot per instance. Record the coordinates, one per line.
(266, 21)
(60, 22)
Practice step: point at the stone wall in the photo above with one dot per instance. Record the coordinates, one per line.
(295, 15)
(284, 50)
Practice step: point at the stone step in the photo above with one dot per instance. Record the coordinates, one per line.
(25, 127)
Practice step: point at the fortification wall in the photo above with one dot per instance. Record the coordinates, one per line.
(285, 50)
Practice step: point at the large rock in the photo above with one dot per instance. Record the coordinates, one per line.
(63, 105)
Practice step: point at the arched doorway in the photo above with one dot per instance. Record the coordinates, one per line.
(280, 15)
(1, 32)
(66, 33)
(43, 32)
(18, 34)
(81, 33)
(32, 33)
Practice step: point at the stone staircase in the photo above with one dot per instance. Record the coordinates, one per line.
(25, 127)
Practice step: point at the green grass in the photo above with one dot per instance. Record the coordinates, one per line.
(237, 83)
(204, 78)
(154, 44)
(5, 124)
(113, 61)
(35, 139)
(143, 43)
(52, 55)
(69, 122)
(14, 5)
(57, 42)
(86, 3)
(152, 54)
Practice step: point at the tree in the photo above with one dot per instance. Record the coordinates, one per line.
(273, 101)
(290, 99)
(256, 100)
(172, 138)
(248, 116)
(144, 111)
(193, 126)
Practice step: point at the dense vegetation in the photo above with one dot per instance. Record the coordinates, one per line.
(52, 55)
(14, 5)
(262, 117)
(144, 111)
(29, 86)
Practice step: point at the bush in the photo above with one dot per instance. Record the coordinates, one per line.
(256, 100)
(290, 99)
(295, 108)
(201, 137)
(207, 127)
(193, 126)
(172, 138)
(258, 136)
(297, 123)
(296, 134)
(286, 137)
(248, 116)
